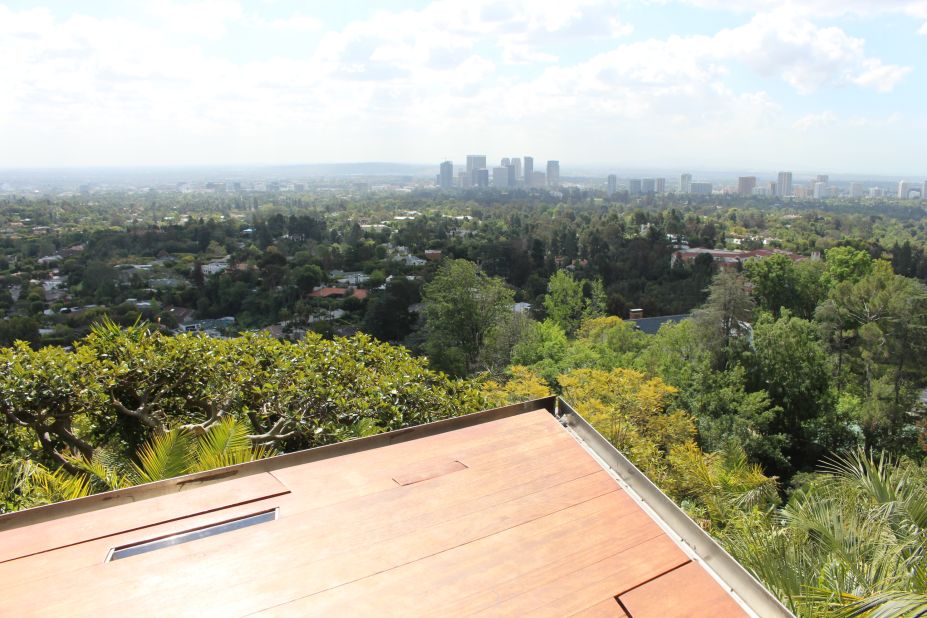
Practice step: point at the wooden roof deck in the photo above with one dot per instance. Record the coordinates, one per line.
(511, 517)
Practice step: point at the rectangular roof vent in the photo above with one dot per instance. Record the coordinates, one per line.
(144, 547)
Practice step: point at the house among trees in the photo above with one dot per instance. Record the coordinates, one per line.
(651, 326)
(729, 259)
(517, 511)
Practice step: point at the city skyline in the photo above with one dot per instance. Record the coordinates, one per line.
(508, 175)
(627, 82)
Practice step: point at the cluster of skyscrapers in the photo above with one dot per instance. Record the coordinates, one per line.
(510, 173)
(909, 190)
(817, 188)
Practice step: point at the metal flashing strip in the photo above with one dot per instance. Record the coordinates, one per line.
(742, 585)
(143, 547)
(18, 519)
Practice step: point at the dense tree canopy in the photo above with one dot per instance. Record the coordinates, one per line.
(118, 387)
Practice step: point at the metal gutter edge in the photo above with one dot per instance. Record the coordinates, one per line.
(735, 577)
(18, 519)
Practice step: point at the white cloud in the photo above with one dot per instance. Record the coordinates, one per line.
(916, 9)
(786, 44)
(206, 18)
(297, 22)
(815, 121)
(401, 85)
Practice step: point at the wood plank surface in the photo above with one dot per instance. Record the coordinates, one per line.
(452, 575)
(51, 565)
(423, 472)
(686, 592)
(402, 510)
(285, 553)
(508, 517)
(609, 608)
(583, 581)
(330, 481)
(195, 499)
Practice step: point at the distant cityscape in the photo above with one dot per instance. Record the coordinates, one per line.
(475, 173)
(510, 173)
(517, 172)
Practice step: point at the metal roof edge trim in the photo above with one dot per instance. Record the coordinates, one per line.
(94, 502)
(738, 580)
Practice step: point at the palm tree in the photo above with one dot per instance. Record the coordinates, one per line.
(168, 454)
(851, 543)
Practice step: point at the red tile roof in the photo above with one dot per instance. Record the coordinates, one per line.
(328, 292)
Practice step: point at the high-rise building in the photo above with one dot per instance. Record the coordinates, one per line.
(464, 180)
(529, 171)
(647, 186)
(505, 162)
(685, 183)
(745, 185)
(771, 189)
(446, 177)
(517, 163)
(659, 185)
(876, 192)
(822, 178)
(856, 189)
(481, 178)
(701, 188)
(612, 184)
(924, 191)
(820, 190)
(904, 189)
(634, 186)
(538, 179)
(784, 184)
(512, 177)
(553, 173)
(500, 177)
(475, 163)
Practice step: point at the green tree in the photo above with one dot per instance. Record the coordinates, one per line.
(792, 365)
(18, 328)
(725, 315)
(594, 305)
(845, 264)
(462, 304)
(564, 301)
(877, 327)
(118, 387)
(779, 282)
(166, 455)
(388, 317)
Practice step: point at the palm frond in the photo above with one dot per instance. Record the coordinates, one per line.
(226, 444)
(164, 456)
(105, 470)
(891, 604)
(56, 486)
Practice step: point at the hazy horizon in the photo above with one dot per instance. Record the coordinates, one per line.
(817, 86)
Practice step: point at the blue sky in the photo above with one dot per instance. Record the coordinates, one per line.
(830, 86)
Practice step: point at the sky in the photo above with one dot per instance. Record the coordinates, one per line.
(828, 86)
